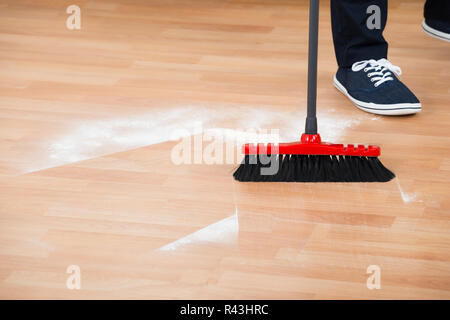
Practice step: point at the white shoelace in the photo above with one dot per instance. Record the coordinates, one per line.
(380, 69)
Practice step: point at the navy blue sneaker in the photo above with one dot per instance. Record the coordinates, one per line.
(372, 86)
(437, 29)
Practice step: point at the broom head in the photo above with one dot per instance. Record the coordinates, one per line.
(311, 160)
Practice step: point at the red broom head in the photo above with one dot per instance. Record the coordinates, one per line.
(311, 144)
(311, 160)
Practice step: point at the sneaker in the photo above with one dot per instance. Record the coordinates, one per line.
(372, 87)
(437, 29)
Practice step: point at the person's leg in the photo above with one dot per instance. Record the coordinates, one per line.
(365, 75)
(437, 19)
(358, 30)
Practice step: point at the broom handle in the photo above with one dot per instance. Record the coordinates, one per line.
(311, 119)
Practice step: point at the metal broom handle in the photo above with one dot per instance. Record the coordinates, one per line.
(311, 119)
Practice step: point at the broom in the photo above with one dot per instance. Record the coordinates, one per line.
(311, 160)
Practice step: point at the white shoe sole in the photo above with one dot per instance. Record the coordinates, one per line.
(383, 109)
(435, 33)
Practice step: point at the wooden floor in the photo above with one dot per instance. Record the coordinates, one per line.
(86, 133)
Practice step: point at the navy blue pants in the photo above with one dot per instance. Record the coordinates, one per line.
(355, 41)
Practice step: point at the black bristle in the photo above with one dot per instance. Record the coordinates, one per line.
(314, 168)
